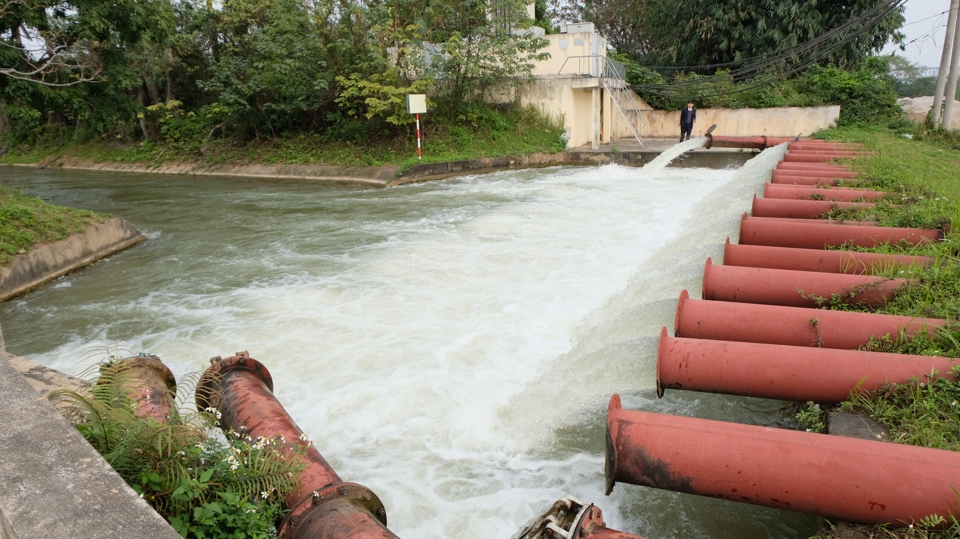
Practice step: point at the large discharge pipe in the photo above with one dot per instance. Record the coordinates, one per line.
(788, 258)
(809, 234)
(799, 209)
(791, 326)
(148, 382)
(322, 505)
(795, 288)
(832, 476)
(801, 192)
(793, 373)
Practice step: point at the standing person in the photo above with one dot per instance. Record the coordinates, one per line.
(687, 117)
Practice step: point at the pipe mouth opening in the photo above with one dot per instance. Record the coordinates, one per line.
(684, 296)
(610, 460)
(210, 386)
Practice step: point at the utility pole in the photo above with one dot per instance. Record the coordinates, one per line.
(945, 61)
(951, 95)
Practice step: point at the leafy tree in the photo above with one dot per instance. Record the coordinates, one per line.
(271, 70)
(705, 32)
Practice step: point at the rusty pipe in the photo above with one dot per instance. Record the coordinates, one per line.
(791, 326)
(798, 158)
(787, 258)
(840, 194)
(569, 518)
(322, 505)
(148, 382)
(793, 373)
(831, 152)
(813, 166)
(813, 181)
(831, 476)
(799, 209)
(809, 234)
(795, 288)
(817, 174)
(789, 220)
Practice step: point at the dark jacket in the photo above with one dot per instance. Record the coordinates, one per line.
(688, 116)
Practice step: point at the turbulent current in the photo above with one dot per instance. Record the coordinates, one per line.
(451, 345)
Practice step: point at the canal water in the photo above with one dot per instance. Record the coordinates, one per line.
(452, 345)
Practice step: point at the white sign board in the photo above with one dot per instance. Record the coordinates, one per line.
(416, 103)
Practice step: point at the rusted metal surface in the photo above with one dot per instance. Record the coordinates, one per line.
(798, 158)
(568, 518)
(809, 180)
(831, 476)
(788, 258)
(831, 152)
(809, 234)
(799, 209)
(794, 373)
(811, 166)
(148, 382)
(322, 506)
(791, 173)
(795, 288)
(791, 326)
(802, 192)
(792, 220)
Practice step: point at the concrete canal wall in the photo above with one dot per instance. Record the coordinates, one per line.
(47, 262)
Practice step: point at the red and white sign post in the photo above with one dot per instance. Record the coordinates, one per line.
(417, 104)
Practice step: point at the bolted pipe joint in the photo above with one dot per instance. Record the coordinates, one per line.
(148, 382)
(322, 505)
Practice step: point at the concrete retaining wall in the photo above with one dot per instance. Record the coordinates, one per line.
(47, 262)
(774, 122)
(54, 483)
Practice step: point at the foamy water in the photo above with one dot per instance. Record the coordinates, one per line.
(450, 345)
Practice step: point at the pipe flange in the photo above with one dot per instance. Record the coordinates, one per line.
(208, 391)
(147, 361)
(356, 495)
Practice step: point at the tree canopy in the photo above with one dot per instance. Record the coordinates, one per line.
(693, 33)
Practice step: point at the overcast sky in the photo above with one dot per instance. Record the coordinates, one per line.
(924, 28)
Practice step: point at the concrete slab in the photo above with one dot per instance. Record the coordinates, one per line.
(54, 483)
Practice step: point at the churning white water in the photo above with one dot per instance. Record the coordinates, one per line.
(450, 345)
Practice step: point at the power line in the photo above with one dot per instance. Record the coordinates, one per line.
(765, 69)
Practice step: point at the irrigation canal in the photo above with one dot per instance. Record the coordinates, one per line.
(451, 345)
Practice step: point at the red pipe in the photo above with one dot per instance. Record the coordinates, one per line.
(796, 158)
(802, 192)
(762, 256)
(808, 234)
(148, 382)
(791, 326)
(835, 153)
(789, 220)
(793, 373)
(322, 505)
(831, 476)
(795, 288)
(812, 166)
(825, 174)
(811, 181)
(799, 209)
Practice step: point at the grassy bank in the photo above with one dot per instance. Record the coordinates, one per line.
(26, 222)
(496, 132)
(921, 171)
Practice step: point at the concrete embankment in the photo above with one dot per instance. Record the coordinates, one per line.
(55, 483)
(47, 262)
(388, 176)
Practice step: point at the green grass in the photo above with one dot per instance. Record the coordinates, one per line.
(495, 133)
(26, 222)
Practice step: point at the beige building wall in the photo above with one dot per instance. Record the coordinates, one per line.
(775, 122)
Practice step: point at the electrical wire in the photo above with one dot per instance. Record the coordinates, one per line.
(766, 69)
